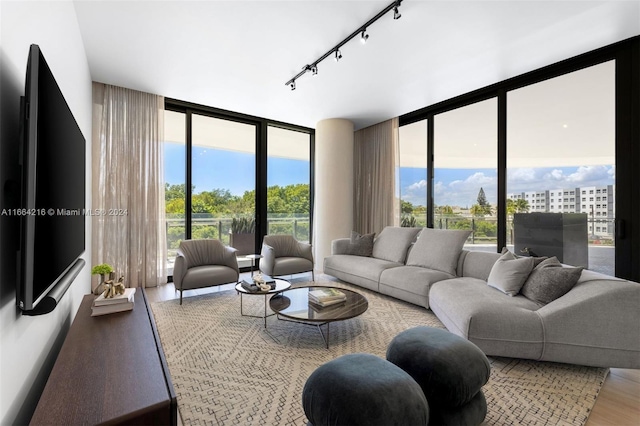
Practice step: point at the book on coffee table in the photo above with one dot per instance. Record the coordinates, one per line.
(326, 296)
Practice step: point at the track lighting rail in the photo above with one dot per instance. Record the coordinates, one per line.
(361, 31)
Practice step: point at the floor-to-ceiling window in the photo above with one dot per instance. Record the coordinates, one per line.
(223, 176)
(288, 183)
(465, 172)
(566, 146)
(561, 167)
(174, 178)
(412, 172)
(224, 171)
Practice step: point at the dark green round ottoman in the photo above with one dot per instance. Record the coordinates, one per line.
(363, 389)
(450, 370)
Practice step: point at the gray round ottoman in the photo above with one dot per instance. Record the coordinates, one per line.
(363, 389)
(450, 370)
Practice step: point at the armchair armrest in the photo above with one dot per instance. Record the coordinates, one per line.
(230, 258)
(306, 250)
(340, 246)
(268, 259)
(179, 269)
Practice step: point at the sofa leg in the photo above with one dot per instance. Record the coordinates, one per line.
(313, 276)
(181, 297)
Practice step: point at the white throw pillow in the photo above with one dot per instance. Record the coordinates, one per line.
(509, 273)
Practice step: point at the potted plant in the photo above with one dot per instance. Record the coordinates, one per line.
(103, 270)
(242, 234)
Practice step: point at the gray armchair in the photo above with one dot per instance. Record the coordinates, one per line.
(284, 255)
(204, 263)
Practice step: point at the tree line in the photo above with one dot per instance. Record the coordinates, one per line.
(290, 201)
(448, 219)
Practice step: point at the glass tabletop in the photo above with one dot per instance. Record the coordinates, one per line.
(295, 304)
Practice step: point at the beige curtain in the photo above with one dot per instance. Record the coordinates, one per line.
(376, 202)
(128, 184)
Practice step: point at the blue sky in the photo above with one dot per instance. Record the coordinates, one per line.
(229, 169)
(460, 187)
(456, 187)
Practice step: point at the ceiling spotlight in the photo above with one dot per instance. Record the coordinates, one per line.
(364, 36)
(293, 85)
(396, 14)
(338, 55)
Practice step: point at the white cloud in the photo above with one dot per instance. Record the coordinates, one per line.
(415, 193)
(464, 192)
(554, 175)
(522, 174)
(417, 186)
(588, 174)
(523, 180)
(475, 181)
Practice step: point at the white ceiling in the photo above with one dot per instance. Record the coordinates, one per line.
(237, 55)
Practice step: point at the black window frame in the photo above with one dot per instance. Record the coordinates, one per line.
(626, 54)
(261, 124)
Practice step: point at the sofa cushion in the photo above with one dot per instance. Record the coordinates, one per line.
(500, 325)
(549, 281)
(410, 283)
(476, 264)
(438, 249)
(393, 242)
(509, 273)
(359, 270)
(360, 245)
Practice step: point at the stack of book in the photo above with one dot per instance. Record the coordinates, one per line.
(326, 296)
(252, 286)
(121, 302)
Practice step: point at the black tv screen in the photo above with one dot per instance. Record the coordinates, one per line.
(53, 185)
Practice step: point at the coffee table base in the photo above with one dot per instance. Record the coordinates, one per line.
(317, 325)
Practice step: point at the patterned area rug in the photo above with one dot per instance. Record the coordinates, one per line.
(227, 370)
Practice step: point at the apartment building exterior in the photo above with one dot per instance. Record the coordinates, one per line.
(598, 202)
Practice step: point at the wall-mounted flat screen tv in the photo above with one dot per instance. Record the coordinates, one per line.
(52, 157)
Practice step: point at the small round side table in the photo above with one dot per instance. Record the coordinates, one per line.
(281, 285)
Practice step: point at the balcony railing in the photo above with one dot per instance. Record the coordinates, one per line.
(484, 229)
(209, 226)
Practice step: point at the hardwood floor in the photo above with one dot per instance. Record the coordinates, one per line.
(618, 403)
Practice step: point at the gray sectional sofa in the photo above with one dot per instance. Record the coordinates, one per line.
(597, 323)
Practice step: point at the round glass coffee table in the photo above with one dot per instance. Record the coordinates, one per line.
(281, 285)
(293, 305)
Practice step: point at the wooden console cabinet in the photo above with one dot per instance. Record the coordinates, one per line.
(111, 370)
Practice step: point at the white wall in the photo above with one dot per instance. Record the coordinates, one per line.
(29, 345)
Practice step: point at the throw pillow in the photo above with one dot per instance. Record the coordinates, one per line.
(360, 245)
(550, 281)
(438, 249)
(393, 242)
(509, 273)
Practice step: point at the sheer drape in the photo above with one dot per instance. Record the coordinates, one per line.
(376, 203)
(128, 184)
